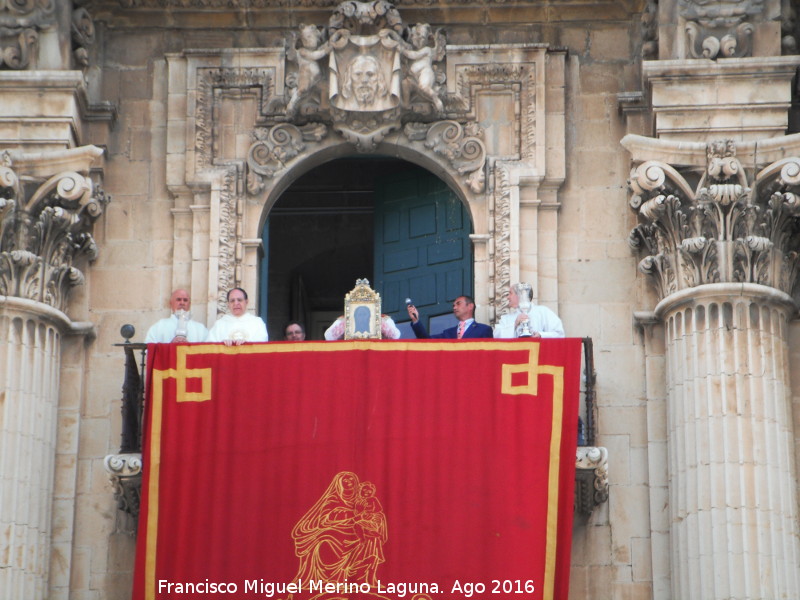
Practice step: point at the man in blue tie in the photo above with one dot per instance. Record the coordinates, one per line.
(464, 310)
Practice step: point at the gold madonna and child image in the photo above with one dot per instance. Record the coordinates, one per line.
(339, 544)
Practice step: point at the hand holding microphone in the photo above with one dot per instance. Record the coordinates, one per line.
(412, 310)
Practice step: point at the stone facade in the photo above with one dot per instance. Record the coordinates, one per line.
(635, 161)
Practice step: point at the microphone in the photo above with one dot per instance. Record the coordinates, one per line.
(409, 302)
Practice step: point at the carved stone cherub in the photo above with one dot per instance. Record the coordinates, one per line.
(307, 56)
(421, 76)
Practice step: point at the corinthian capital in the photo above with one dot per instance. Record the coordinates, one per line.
(46, 222)
(717, 222)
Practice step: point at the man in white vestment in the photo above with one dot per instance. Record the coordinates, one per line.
(542, 322)
(238, 326)
(178, 327)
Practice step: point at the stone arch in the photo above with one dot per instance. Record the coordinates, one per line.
(497, 140)
(309, 281)
(319, 156)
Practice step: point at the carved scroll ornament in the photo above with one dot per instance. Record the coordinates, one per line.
(43, 234)
(275, 148)
(83, 36)
(20, 24)
(720, 29)
(460, 145)
(724, 229)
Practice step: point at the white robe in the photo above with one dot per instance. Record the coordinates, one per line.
(163, 331)
(540, 319)
(248, 328)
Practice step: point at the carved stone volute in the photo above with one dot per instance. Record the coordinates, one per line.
(45, 227)
(720, 29)
(722, 230)
(23, 23)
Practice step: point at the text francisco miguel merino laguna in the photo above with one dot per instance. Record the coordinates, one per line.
(269, 589)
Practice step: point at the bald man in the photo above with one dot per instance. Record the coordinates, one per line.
(165, 331)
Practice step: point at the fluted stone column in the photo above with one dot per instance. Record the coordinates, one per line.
(30, 352)
(723, 255)
(733, 495)
(45, 223)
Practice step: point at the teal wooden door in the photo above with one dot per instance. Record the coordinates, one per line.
(422, 249)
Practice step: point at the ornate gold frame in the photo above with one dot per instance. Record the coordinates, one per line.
(362, 312)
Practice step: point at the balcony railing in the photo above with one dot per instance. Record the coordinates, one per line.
(125, 467)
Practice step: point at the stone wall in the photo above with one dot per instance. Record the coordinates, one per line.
(569, 213)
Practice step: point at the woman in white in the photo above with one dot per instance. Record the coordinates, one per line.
(238, 326)
(542, 322)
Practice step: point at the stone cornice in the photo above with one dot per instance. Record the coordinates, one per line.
(238, 5)
(258, 14)
(682, 153)
(724, 67)
(44, 164)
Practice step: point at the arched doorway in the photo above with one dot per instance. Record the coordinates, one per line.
(381, 218)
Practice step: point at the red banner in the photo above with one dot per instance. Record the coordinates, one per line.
(360, 469)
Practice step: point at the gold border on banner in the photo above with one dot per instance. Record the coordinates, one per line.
(181, 374)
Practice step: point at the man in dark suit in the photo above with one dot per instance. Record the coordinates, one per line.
(464, 310)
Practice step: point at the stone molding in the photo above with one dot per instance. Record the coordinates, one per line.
(726, 226)
(702, 100)
(48, 314)
(50, 109)
(46, 222)
(257, 4)
(500, 210)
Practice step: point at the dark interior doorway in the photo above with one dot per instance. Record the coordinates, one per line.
(320, 240)
(326, 229)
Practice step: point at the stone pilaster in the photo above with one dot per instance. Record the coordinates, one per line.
(719, 239)
(47, 207)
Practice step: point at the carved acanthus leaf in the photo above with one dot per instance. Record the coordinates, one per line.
(725, 230)
(42, 236)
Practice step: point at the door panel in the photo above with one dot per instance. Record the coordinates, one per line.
(422, 246)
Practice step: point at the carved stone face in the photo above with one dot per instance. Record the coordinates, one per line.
(365, 78)
(309, 36)
(419, 35)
